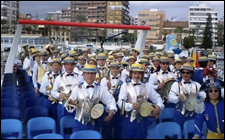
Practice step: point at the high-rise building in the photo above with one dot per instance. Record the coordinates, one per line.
(9, 16)
(198, 18)
(106, 12)
(154, 18)
(117, 13)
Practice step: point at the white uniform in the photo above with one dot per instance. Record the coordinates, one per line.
(66, 81)
(45, 82)
(158, 77)
(114, 82)
(125, 75)
(148, 90)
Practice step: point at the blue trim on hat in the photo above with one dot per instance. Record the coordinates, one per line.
(89, 70)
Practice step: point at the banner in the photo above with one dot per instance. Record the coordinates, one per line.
(171, 42)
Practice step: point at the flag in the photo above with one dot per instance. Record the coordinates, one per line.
(194, 56)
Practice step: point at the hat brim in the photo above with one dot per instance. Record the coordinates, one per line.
(90, 70)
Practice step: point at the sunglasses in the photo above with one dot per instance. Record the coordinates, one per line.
(216, 90)
(185, 72)
(165, 63)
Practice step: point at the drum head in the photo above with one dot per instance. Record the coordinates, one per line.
(191, 104)
(97, 111)
(146, 109)
(167, 87)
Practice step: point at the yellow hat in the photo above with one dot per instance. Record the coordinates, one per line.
(69, 60)
(43, 53)
(190, 59)
(131, 57)
(203, 59)
(92, 59)
(114, 64)
(143, 60)
(63, 56)
(164, 59)
(136, 67)
(152, 54)
(72, 53)
(119, 54)
(187, 66)
(55, 60)
(155, 58)
(101, 56)
(146, 57)
(136, 50)
(85, 50)
(159, 53)
(212, 57)
(61, 52)
(110, 58)
(178, 61)
(56, 51)
(90, 68)
(145, 50)
(81, 57)
(171, 55)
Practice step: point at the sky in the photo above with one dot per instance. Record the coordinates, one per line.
(177, 9)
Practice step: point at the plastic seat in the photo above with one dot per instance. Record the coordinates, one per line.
(9, 103)
(86, 134)
(167, 114)
(66, 122)
(9, 89)
(168, 130)
(10, 113)
(26, 95)
(40, 125)
(26, 88)
(11, 128)
(48, 136)
(36, 111)
(9, 95)
(30, 102)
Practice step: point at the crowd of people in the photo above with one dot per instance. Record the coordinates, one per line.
(121, 81)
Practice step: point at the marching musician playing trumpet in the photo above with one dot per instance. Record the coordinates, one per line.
(47, 85)
(85, 96)
(185, 94)
(132, 94)
(63, 86)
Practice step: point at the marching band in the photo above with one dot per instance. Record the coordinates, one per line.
(110, 92)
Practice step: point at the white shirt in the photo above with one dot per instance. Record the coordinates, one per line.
(154, 78)
(103, 94)
(114, 82)
(45, 83)
(175, 90)
(151, 94)
(125, 73)
(72, 80)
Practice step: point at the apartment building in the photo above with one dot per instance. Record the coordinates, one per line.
(154, 18)
(9, 16)
(197, 20)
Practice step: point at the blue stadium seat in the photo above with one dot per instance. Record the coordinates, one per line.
(167, 114)
(86, 134)
(40, 125)
(11, 129)
(66, 126)
(10, 113)
(168, 130)
(48, 136)
(9, 103)
(36, 111)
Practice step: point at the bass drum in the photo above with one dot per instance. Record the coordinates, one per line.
(164, 92)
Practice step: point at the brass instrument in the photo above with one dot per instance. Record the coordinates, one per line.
(48, 49)
(24, 54)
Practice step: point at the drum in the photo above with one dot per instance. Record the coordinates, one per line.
(164, 92)
(97, 111)
(146, 109)
(191, 103)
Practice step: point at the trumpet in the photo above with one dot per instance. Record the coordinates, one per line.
(48, 49)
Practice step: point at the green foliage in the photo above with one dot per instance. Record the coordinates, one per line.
(207, 34)
(188, 42)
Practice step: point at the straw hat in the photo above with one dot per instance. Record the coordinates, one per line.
(90, 68)
(136, 67)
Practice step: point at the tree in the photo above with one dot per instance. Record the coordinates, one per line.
(207, 34)
(188, 42)
(220, 33)
(81, 18)
(3, 27)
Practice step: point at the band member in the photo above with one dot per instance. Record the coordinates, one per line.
(125, 73)
(119, 57)
(113, 83)
(92, 61)
(40, 69)
(145, 64)
(198, 76)
(135, 53)
(81, 62)
(87, 94)
(85, 53)
(211, 61)
(177, 65)
(73, 54)
(185, 94)
(171, 61)
(145, 52)
(131, 95)
(102, 69)
(47, 85)
(63, 86)
(55, 54)
(213, 113)
(155, 67)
